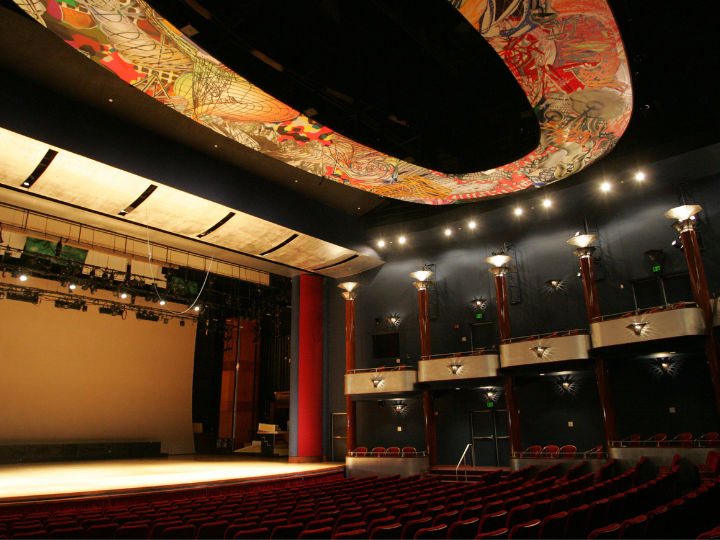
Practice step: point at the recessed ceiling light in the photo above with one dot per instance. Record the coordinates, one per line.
(472, 224)
(640, 176)
(547, 203)
(605, 186)
(381, 243)
(401, 239)
(448, 232)
(518, 211)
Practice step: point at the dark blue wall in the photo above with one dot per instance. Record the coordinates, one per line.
(629, 220)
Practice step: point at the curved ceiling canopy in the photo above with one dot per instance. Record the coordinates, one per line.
(566, 55)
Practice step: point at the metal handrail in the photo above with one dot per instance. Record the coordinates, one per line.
(644, 311)
(381, 369)
(559, 334)
(462, 458)
(463, 354)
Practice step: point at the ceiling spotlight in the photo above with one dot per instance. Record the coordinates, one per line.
(23, 277)
(72, 286)
(123, 295)
(605, 186)
(401, 239)
(472, 225)
(448, 232)
(518, 211)
(162, 302)
(381, 243)
(197, 308)
(640, 176)
(547, 203)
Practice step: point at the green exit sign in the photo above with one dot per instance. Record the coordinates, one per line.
(478, 315)
(491, 404)
(656, 268)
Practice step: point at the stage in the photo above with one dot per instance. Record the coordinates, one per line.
(35, 482)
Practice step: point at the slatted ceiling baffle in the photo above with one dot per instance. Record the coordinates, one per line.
(249, 234)
(17, 243)
(117, 264)
(11, 216)
(307, 253)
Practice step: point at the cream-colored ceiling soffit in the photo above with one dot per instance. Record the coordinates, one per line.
(73, 179)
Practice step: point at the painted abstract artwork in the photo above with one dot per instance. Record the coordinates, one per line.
(567, 56)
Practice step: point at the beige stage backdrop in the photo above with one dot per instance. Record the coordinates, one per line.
(69, 376)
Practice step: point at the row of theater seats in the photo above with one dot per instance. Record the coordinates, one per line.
(546, 507)
(685, 440)
(379, 451)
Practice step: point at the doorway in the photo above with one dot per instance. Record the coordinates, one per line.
(490, 438)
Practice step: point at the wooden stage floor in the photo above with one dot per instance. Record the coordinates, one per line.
(51, 481)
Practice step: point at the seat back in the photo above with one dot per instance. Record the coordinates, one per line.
(576, 524)
(324, 533)
(386, 532)
(409, 451)
(533, 451)
(567, 451)
(550, 450)
(361, 451)
(393, 451)
(609, 531)
(447, 518)
(492, 522)
(553, 526)
(466, 528)
(378, 451)
(531, 529)
(413, 526)
(518, 515)
(633, 528)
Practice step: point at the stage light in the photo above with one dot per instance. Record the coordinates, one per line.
(448, 232)
(637, 327)
(547, 203)
(197, 308)
(23, 277)
(472, 225)
(553, 283)
(162, 302)
(123, 295)
(518, 211)
(401, 239)
(381, 243)
(640, 176)
(605, 186)
(72, 286)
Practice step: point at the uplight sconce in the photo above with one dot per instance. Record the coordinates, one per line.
(422, 277)
(492, 394)
(583, 241)
(393, 321)
(567, 385)
(500, 261)
(539, 351)
(665, 366)
(685, 216)
(554, 284)
(377, 382)
(478, 304)
(399, 408)
(349, 287)
(637, 327)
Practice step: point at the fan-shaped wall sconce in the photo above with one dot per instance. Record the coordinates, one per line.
(377, 382)
(399, 408)
(539, 351)
(567, 385)
(393, 321)
(478, 304)
(662, 366)
(554, 284)
(455, 368)
(637, 327)
(491, 394)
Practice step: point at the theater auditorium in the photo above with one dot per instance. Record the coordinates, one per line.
(389, 270)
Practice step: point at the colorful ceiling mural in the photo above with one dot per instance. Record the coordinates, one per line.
(567, 56)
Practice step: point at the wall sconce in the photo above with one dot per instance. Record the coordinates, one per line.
(653, 254)
(567, 385)
(478, 304)
(665, 365)
(349, 287)
(539, 351)
(377, 381)
(393, 321)
(554, 284)
(455, 368)
(685, 215)
(637, 327)
(399, 408)
(492, 394)
(422, 277)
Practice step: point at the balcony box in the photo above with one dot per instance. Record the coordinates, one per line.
(474, 365)
(384, 380)
(541, 349)
(677, 320)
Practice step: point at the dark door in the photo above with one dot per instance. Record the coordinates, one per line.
(339, 436)
(491, 443)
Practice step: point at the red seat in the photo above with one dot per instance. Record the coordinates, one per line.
(597, 451)
(129, 532)
(413, 526)
(492, 522)
(576, 524)
(531, 529)
(184, 532)
(439, 532)
(553, 526)
(387, 532)
(409, 451)
(466, 528)
(710, 439)
(378, 451)
(316, 534)
(357, 534)
(361, 451)
(533, 451)
(471, 512)
(208, 531)
(609, 531)
(70, 532)
(550, 450)
(714, 533)
(393, 451)
(684, 439)
(380, 522)
(568, 451)
(633, 528)
(447, 518)
(656, 439)
(99, 532)
(260, 533)
(632, 440)
(499, 533)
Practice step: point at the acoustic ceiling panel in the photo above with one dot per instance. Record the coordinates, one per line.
(350, 268)
(19, 157)
(309, 253)
(89, 184)
(249, 234)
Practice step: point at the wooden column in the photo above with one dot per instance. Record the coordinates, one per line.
(601, 371)
(501, 297)
(428, 405)
(701, 295)
(349, 366)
